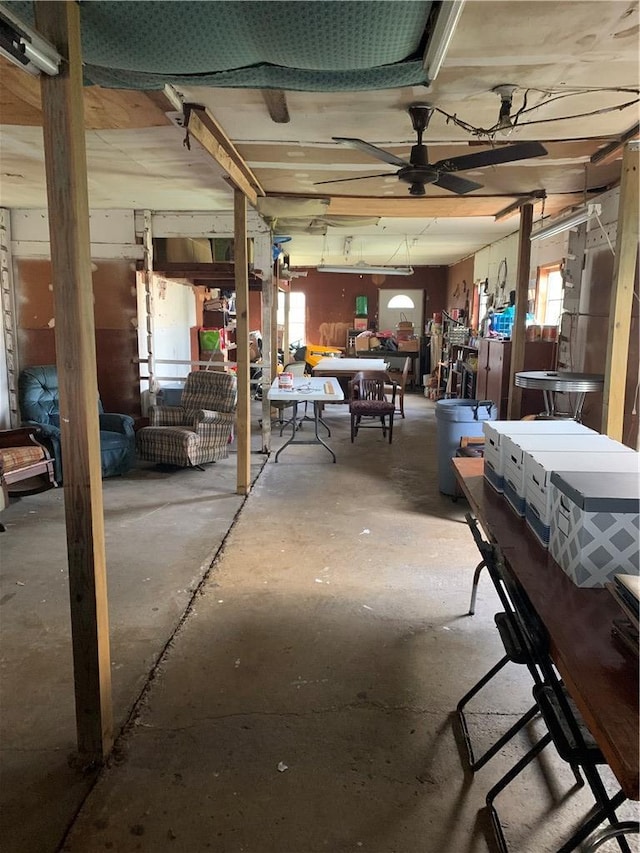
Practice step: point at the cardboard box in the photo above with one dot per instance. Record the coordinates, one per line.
(188, 249)
(366, 343)
(495, 433)
(409, 346)
(595, 525)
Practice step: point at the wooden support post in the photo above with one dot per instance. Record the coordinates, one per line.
(287, 315)
(621, 306)
(147, 242)
(522, 303)
(65, 162)
(262, 250)
(243, 421)
(274, 320)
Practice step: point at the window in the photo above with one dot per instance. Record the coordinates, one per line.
(297, 315)
(401, 300)
(549, 295)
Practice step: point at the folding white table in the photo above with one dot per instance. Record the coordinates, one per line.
(348, 367)
(315, 390)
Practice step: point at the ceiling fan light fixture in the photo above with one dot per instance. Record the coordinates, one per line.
(504, 124)
(362, 268)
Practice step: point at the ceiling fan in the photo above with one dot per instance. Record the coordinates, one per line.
(417, 171)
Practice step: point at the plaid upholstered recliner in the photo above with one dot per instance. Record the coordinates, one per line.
(197, 431)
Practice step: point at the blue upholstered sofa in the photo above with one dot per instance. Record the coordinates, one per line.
(39, 404)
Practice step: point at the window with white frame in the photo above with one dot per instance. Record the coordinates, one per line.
(549, 295)
(297, 315)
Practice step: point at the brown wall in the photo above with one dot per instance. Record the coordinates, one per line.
(460, 284)
(255, 311)
(114, 288)
(331, 298)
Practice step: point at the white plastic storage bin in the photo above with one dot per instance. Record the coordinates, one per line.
(538, 468)
(495, 432)
(517, 445)
(595, 530)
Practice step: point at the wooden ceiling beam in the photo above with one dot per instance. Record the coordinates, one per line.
(204, 128)
(209, 274)
(104, 109)
(514, 208)
(276, 102)
(614, 150)
(438, 206)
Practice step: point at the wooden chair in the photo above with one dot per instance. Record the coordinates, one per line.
(367, 399)
(401, 384)
(24, 461)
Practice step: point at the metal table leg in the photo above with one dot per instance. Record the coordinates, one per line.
(318, 419)
(295, 426)
(293, 429)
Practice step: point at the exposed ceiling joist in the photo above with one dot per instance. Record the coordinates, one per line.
(276, 102)
(512, 209)
(441, 207)
(203, 127)
(613, 150)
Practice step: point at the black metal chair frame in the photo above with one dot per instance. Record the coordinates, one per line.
(566, 729)
(601, 836)
(515, 652)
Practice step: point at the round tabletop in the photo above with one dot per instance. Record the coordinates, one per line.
(549, 380)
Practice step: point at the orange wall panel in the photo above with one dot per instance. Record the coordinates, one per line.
(114, 287)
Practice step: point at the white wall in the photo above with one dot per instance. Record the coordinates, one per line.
(388, 318)
(174, 314)
(490, 262)
(5, 418)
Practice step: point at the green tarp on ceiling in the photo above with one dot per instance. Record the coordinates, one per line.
(322, 45)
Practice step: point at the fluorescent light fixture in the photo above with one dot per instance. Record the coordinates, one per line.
(365, 269)
(566, 223)
(25, 48)
(441, 36)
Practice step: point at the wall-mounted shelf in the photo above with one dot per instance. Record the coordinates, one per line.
(211, 275)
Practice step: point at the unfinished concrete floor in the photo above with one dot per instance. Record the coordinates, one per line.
(305, 702)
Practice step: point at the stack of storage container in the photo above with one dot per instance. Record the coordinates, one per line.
(578, 491)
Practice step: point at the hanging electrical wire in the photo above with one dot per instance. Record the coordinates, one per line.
(405, 243)
(509, 122)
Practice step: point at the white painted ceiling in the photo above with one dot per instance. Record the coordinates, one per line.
(581, 49)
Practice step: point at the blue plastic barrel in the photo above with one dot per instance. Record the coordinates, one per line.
(455, 419)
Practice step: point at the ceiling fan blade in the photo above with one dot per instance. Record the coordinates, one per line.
(373, 150)
(492, 157)
(456, 184)
(357, 178)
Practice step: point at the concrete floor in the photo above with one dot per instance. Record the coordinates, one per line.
(304, 702)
